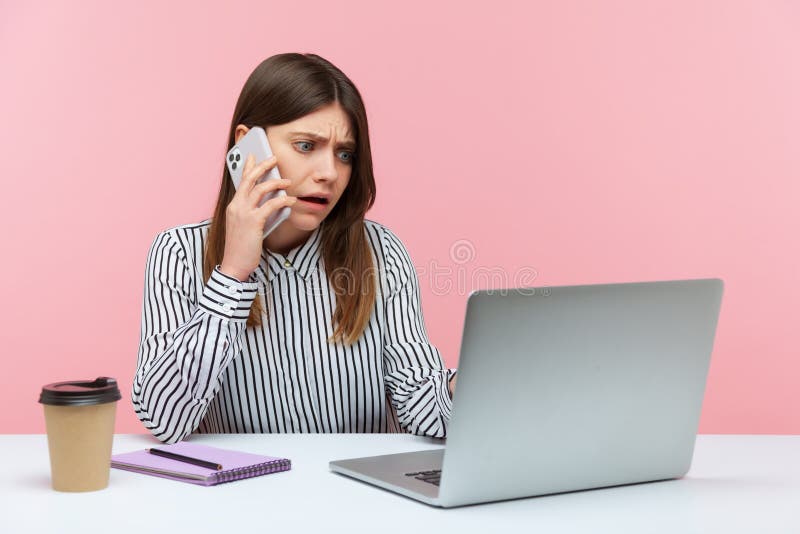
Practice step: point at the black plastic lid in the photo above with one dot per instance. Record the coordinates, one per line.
(81, 392)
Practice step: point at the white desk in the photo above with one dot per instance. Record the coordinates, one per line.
(737, 484)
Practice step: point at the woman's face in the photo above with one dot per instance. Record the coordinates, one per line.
(315, 153)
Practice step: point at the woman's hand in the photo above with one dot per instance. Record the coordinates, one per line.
(244, 220)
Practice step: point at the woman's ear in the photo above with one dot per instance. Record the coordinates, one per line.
(241, 130)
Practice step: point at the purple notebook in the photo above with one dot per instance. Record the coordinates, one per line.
(235, 465)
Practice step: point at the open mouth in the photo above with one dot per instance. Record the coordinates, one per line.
(315, 200)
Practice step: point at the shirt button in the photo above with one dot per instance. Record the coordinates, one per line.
(287, 263)
(227, 308)
(232, 291)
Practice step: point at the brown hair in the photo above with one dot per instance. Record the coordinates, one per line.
(281, 89)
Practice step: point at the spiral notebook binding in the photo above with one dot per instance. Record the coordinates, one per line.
(265, 468)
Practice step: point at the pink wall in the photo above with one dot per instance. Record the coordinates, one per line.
(590, 141)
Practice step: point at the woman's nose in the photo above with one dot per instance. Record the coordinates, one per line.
(327, 168)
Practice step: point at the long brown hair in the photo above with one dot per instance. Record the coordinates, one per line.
(281, 89)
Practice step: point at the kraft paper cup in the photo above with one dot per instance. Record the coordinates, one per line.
(80, 417)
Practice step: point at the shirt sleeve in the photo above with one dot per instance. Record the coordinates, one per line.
(414, 372)
(185, 344)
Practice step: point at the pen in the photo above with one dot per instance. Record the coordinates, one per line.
(185, 459)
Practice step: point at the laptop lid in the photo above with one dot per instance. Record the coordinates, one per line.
(578, 387)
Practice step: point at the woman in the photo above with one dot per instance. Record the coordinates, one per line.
(311, 329)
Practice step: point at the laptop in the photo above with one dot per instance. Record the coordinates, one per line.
(565, 388)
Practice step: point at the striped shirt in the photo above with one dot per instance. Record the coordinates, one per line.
(201, 369)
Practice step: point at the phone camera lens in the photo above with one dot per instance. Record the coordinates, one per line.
(238, 157)
(233, 165)
(230, 158)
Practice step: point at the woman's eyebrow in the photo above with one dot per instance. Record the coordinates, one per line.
(348, 143)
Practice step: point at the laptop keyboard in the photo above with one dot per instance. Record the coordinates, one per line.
(431, 477)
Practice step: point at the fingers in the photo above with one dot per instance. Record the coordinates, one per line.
(274, 204)
(252, 172)
(264, 188)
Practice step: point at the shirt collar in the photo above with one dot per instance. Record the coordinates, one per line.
(303, 258)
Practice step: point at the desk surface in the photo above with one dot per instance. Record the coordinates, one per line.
(736, 484)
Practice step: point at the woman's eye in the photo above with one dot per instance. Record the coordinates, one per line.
(345, 156)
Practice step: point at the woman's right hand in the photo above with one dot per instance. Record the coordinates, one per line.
(244, 220)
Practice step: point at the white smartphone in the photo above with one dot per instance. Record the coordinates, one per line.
(255, 142)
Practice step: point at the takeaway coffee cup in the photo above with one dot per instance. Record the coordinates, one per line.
(80, 416)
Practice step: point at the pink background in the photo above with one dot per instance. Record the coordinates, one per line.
(591, 141)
